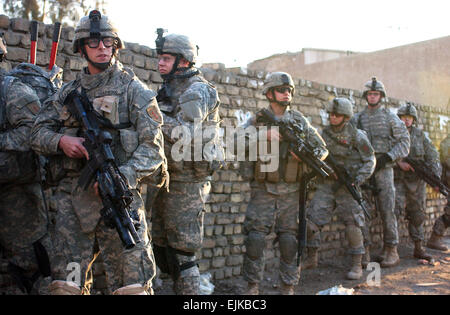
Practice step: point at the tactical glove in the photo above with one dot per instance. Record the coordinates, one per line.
(382, 160)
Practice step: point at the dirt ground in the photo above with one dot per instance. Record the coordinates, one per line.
(410, 277)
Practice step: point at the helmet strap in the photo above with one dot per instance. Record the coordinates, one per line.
(99, 65)
(274, 100)
(374, 105)
(172, 75)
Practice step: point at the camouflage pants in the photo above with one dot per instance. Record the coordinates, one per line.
(23, 221)
(443, 222)
(268, 213)
(177, 221)
(410, 199)
(76, 249)
(386, 199)
(330, 196)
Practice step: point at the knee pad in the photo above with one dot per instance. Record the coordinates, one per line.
(178, 261)
(161, 258)
(188, 266)
(312, 229)
(255, 244)
(354, 236)
(59, 287)
(288, 247)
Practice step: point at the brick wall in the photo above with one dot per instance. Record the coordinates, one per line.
(239, 89)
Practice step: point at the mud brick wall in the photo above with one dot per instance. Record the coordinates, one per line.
(239, 89)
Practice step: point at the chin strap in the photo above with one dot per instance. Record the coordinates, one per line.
(284, 104)
(99, 65)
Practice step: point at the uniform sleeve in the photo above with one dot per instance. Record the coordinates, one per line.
(401, 140)
(22, 106)
(367, 154)
(196, 104)
(432, 156)
(444, 152)
(315, 140)
(47, 129)
(146, 118)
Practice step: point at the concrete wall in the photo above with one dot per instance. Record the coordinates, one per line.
(239, 89)
(418, 72)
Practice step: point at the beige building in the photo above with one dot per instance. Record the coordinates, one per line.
(419, 72)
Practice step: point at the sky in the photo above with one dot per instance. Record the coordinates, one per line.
(236, 32)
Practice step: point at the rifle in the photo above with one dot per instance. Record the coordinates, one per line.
(344, 178)
(112, 185)
(292, 133)
(426, 174)
(302, 234)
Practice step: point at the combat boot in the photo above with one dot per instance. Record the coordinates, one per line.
(356, 272)
(366, 257)
(392, 259)
(419, 251)
(59, 287)
(286, 289)
(435, 242)
(252, 289)
(133, 289)
(379, 258)
(312, 260)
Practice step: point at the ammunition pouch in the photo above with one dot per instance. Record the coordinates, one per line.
(18, 167)
(289, 171)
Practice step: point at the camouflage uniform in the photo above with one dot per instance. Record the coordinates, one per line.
(443, 222)
(23, 218)
(388, 135)
(192, 100)
(274, 207)
(410, 191)
(353, 151)
(138, 149)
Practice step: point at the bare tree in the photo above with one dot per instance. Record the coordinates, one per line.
(49, 11)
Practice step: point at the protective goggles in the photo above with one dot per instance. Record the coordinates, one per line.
(94, 42)
(283, 89)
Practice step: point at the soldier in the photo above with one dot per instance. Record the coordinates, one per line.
(390, 140)
(23, 217)
(190, 105)
(352, 151)
(129, 111)
(410, 190)
(274, 203)
(443, 222)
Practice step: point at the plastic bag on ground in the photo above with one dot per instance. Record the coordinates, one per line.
(206, 287)
(337, 290)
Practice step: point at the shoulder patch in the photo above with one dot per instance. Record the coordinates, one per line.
(154, 112)
(34, 107)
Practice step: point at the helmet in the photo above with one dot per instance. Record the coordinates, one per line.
(408, 109)
(342, 106)
(278, 79)
(374, 85)
(94, 25)
(178, 45)
(3, 50)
